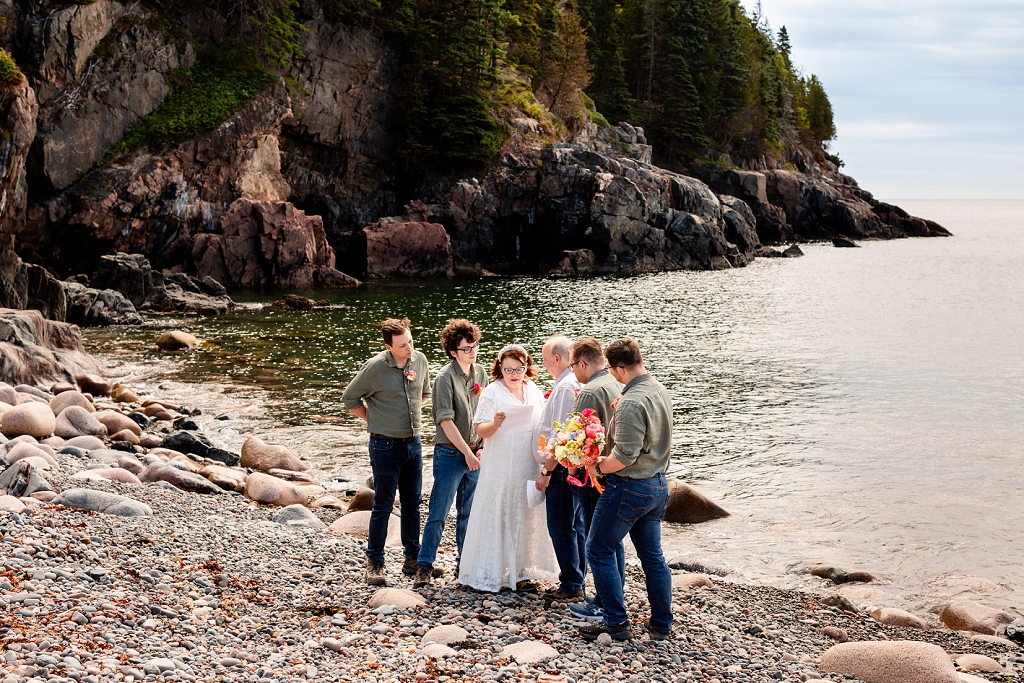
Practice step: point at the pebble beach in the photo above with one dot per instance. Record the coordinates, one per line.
(214, 586)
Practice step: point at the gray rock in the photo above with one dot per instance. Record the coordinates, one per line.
(105, 455)
(88, 307)
(88, 443)
(101, 501)
(21, 479)
(77, 421)
(299, 516)
(179, 478)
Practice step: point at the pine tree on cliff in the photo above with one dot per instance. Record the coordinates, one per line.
(602, 19)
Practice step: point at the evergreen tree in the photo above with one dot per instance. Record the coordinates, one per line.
(819, 112)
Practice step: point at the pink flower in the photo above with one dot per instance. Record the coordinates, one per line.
(615, 403)
(410, 375)
(594, 430)
(476, 388)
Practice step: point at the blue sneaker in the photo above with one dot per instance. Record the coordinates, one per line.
(587, 610)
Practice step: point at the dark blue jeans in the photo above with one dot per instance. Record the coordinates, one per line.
(397, 466)
(453, 480)
(635, 507)
(567, 530)
(587, 497)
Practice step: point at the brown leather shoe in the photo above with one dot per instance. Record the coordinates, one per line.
(559, 595)
(410, 566)
(423, 577)
(375, 573)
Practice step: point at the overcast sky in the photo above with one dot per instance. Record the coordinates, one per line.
(928, 94)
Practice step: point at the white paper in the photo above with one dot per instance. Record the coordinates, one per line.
(517, 417)
(533, 496)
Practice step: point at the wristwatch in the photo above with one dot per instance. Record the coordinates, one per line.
(544, 472)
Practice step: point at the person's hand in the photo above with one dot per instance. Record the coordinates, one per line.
(499, 417)
(542, 483)
(593, 471)
(472, 461)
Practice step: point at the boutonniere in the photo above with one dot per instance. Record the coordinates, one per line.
(547, 394)
(410, 375)
(575, 393)
(616, 402)
(476, 388)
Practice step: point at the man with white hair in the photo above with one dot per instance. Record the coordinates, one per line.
(565, 516)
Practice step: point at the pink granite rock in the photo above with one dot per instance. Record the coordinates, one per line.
(963, 615)
(891, 616)
(898, 661)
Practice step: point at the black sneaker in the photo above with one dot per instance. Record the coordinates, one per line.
(423, 577)
(375, 573)
(617, 632)
(656, 635)
(410, 566)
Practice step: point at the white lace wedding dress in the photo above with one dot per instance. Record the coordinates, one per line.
(506, 540)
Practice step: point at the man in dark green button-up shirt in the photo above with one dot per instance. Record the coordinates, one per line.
(388, 392)
(456, 466)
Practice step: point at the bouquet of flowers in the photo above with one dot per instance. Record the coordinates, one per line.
(576, 443)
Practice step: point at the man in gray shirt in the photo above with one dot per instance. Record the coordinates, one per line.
(635, 497)
(388, 392)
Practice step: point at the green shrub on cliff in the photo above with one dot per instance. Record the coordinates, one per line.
(10, 74)
(205, 95)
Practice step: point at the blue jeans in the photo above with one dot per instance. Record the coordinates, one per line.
(567, 530)
(588, 497)
(452, 477)
(397, 466)
(636, 507)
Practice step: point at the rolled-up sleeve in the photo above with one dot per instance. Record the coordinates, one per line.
(359, 388)
(630, 429)
(443, 399)
(426, 378)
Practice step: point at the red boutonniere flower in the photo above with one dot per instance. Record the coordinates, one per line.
(476, 388)
(410, 375)
(616, 402)
(547, 394)
(576, 393)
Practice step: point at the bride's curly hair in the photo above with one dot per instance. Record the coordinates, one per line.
(519, 353)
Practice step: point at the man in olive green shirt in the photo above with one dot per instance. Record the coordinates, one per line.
(635, 497)
(388, 392)
(456, 465)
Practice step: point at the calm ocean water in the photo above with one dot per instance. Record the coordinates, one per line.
(857, 406)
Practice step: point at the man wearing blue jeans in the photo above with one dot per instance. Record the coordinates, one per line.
(635, 497)
(456, 446)
(388, 392)
(565, 516)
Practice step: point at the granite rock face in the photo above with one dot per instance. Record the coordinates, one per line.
(407, 249)
(88, 307)
(34, 350)
(148, 289)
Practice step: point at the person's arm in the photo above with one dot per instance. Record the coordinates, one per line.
(486, 430)
(426, 380)
(359, 412)
(453, 433)
(630, 429)
(357, 390)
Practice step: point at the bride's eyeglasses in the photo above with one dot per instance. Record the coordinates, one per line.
(514, 371)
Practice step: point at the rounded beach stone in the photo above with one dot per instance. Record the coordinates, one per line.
(54, 442)
(176, 340)
(115, 422)
(437, 650)
(445, 634)
(130, 463)
(33, 419)
(402, 598)
(126, 435)
(117, 474)
(269, 490)
(179, 478)
(835, 633)
(123, 394)
(327, 502)
(299, 515)
(23, 450)
(93, 384)
(38, 462)
(998, 640)
(11, 504)
(970, 678)
(44, 496)
(691, 581)
(101, 501)
(687, 505)
(972, 662)
(891, 616)
(76, 421)
(7, 394)
(89, 443)
(70, 398)
(227, 478)
(150, 441)
(964, 615)
(259, 455)
(61, 387)
(358, 524)
(363, 500)
(903, 661)
(527, 651)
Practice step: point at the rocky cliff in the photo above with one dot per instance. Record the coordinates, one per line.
(301, 182)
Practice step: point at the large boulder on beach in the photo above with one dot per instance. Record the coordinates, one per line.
(121, 476)
(259, 455)
(115, 422)
(22, 479)
(88, 443)
(901, 661)
(75, 421)
(890, 616)
(179, 478)
(963, 615)
(94, 384)
(7, 394)
(269, 490)
(687, 505)
(362, 500)
(34, 350)
(839, 575)
(299, 516)
(973, 662)
(23, 449)
(101, 501)
(32, 418)
(186, 442)
(227, 478)
(176, 340)
(71, 398)
(357, 524)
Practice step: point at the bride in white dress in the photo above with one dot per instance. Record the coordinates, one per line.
(506, 540)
